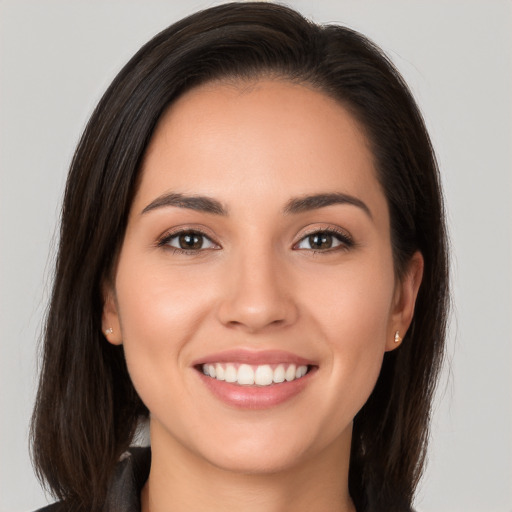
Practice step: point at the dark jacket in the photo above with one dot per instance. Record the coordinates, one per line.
(123, 494)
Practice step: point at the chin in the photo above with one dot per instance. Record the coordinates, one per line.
(257, 461)
(270, 449)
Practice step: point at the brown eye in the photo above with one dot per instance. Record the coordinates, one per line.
(188, 241)
(320, 241)
(323, 241)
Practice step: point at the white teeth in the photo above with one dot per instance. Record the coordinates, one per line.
(290, 373)
(279, 374)
(245, 375)
(219, 372)
(230, 375)
(261, 375)
(300, 372)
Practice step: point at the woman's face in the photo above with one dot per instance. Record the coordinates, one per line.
(257, 248)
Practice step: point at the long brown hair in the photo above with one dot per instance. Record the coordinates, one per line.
(87, 409)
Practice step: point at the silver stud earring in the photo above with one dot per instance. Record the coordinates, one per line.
(398, 339)
(109, 331)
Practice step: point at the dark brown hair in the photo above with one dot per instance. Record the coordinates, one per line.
(87, 409)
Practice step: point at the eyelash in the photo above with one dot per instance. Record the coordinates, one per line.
(344, 239)
(166, 239)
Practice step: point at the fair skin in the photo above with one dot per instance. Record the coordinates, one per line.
(266, 281)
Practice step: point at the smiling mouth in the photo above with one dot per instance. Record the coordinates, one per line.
(254, 375)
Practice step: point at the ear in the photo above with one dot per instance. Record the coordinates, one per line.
(404, 301)
(110, 323)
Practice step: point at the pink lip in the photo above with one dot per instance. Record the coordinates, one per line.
(255, 397)
(254, 357)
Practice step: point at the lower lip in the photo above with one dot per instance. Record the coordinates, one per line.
(255, 397)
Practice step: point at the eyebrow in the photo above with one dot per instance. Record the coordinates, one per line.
(198, 203)
(314, 202)
(296, 205)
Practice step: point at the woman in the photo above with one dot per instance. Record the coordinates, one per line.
(252, 255)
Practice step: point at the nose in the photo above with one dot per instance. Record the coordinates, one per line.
(258, 293)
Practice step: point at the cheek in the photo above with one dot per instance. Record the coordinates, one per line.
(352, 312)
(158, 304)
(159, 311)
(353, 303)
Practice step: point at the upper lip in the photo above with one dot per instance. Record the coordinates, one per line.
(254, 357)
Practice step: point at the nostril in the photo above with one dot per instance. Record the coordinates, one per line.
(256, 301)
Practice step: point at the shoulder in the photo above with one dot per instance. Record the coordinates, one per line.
(125, 487)
(54, 507)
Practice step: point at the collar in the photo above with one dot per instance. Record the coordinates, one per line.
(130, 476)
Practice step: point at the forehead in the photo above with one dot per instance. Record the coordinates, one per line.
(265, 139)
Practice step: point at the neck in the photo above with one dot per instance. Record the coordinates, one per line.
(182, 481)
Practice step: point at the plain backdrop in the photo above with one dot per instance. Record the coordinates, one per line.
(56, 59)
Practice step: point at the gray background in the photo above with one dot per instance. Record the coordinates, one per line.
(56, 58)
